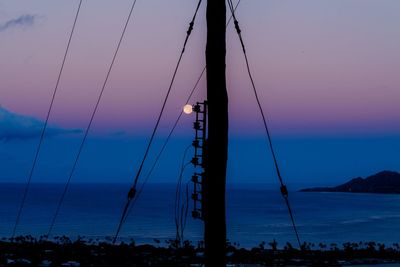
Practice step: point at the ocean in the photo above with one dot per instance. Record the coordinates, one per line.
(255, 213)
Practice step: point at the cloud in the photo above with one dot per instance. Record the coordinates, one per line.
(22, 21)
(15, 126)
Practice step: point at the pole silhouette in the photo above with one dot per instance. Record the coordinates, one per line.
(216, 147)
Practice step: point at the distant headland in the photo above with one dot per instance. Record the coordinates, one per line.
(385, 182)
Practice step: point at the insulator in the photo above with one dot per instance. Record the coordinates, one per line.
(132, 193)
(195, 179)
(195, 197)
(284, 191)
(196, 214)
(196, 125)
(196, 143)
(197, 108)
(189, 31)
(195, 161)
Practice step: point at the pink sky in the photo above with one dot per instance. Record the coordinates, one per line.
(320, 67)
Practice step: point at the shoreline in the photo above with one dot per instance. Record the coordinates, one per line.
(29, 251)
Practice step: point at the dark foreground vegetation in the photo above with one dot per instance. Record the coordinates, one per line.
(61, 251)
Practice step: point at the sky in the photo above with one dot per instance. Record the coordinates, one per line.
(326, 71)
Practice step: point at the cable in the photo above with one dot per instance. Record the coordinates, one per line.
(132, 191)
(178, 118)
(38, 148)
(136, 196)
(168, 138)
(91, 120)
(171, 132)
(189, 31)
(134, 200)
(184, 211)
(283, 187)
(178, 206)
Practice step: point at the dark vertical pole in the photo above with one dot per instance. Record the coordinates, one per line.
(217, 143)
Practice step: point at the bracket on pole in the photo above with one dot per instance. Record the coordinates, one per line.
(200, 127)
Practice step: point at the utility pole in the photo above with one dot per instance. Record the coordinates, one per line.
(216, 147)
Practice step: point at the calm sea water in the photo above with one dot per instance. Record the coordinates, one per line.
(254, 213)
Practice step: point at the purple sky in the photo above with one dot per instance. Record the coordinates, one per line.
(327, 74)
(321, 66)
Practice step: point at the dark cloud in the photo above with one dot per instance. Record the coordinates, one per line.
(15, 126)
(22, 21)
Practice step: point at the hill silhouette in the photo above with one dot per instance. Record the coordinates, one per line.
(385, 182)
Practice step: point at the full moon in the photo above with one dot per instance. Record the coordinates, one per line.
(188, 109)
